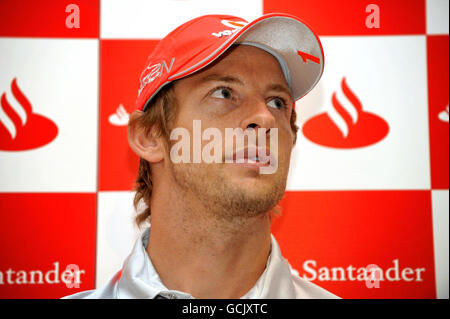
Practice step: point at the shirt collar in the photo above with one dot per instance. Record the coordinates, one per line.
(139, 278)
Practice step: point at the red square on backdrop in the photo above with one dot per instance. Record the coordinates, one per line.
(329, 236)
(41, 236)
(122, 62)
(438, 82)
(25, 18)
(356, 17)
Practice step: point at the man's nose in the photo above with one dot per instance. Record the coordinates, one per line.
(257, 115)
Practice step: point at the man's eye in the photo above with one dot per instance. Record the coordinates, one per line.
(277, 103)
(222, 93)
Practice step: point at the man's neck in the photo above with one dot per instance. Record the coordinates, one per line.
(204, 256)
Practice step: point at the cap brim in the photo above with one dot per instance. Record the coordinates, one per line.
(286, 35)
(290, 40)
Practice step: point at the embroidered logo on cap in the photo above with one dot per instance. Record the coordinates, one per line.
(306, 56)
(235, 25)
(154, 71)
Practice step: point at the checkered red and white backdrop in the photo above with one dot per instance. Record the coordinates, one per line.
(369, 180)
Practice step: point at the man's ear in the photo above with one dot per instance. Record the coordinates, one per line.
(145, 145)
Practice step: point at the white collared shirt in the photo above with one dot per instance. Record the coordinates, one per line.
(139, 279)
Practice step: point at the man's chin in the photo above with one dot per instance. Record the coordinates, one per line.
(253, 196)
(232, 192)
(254, 182)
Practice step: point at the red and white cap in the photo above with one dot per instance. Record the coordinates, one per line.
(198, 42)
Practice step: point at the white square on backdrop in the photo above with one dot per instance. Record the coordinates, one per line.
(154, 19)
(440, 203)
(437, 16)
(389, 77)
(59, 77)
(116, 233)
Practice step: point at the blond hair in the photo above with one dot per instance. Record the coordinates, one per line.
(158, 117)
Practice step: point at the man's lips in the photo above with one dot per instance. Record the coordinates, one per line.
(252, 156)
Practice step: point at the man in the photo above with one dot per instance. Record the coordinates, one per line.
(210, 219)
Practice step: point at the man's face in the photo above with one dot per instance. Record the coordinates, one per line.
(244, 89)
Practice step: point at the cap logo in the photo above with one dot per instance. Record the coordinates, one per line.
(235, 25)
(305, 57)
(154, 71)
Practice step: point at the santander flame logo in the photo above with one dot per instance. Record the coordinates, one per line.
(120, 117)
(443, 115)
(346, 125)
(20, 128)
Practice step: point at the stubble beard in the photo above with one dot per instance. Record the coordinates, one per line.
(224, 199)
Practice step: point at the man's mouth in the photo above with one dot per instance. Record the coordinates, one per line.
(252, 156)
